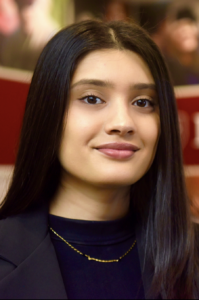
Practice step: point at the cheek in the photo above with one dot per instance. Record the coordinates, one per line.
(78, 131)
(81, 127)
(149, 131)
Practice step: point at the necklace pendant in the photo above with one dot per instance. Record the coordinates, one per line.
(90, 258)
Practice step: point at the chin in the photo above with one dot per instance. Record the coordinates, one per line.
(116, 181)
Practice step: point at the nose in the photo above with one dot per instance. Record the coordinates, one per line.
(120, 121)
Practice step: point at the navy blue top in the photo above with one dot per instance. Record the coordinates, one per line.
(108, 240)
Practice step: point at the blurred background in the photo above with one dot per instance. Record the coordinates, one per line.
(27, 25)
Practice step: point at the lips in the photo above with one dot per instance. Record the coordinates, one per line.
(118, 150)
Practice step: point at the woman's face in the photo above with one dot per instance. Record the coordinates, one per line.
(183, 35)
(112, 126)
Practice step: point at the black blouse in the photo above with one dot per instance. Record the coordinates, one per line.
(108, 240)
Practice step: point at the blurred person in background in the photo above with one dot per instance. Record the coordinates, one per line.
(84, 16)
(175, 31)
(9, 17)
(153, 20)
(9, 20)
(116, 10)
(37, 27)
(182, 42)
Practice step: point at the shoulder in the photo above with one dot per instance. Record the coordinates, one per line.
(28, 258)
(19, 236)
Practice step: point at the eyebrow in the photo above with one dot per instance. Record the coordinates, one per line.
(108, 84)
(144, 86)
(95, 82)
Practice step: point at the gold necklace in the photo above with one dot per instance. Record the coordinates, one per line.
(91, 258)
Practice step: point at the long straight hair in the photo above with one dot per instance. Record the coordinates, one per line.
(159, 197)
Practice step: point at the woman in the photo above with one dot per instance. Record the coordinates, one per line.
(97, 207)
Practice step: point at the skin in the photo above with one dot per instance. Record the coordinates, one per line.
(95, 186)
(182, 40)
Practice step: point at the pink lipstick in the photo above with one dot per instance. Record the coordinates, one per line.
(118, 150)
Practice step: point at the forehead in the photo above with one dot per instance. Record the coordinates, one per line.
(119, 66)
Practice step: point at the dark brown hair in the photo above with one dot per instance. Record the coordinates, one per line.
(159, 197)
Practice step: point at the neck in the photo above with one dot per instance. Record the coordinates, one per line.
(77, 200)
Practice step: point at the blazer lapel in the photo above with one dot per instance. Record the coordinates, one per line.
(28, 246)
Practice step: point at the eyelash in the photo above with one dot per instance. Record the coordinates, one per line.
(151, 103)
(91, 95)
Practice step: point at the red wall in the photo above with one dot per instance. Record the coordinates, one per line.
(13, 96)
(188, 110)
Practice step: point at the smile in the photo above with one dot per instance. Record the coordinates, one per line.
(118, 150)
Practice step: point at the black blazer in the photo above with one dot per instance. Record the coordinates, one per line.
(28, 264)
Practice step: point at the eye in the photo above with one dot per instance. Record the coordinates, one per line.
(143, 103)
(92, 100)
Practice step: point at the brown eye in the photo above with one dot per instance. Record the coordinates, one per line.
(92, 100)
(143, 103)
